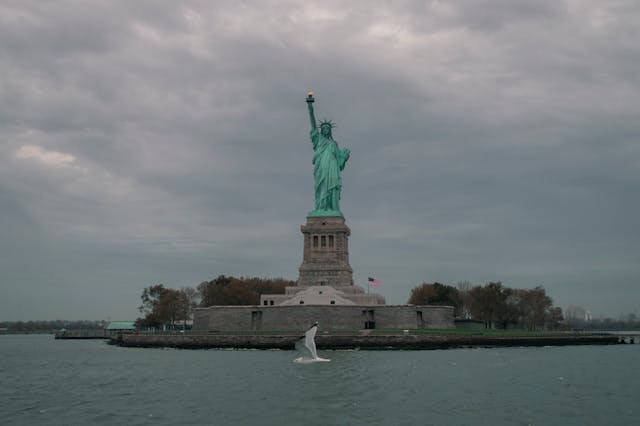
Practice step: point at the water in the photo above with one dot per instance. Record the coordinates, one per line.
(77, 382)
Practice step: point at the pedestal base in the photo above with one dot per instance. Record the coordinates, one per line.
(325, 259)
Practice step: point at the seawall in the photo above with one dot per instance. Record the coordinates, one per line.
(98, 333)
(355, 341)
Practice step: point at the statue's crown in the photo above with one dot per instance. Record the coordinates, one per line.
(329, 123)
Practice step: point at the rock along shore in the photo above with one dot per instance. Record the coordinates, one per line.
(355, 341)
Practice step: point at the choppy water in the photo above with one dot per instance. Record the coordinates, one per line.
(65, 382)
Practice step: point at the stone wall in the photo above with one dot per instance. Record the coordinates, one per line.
(296, 318)
(361, 340)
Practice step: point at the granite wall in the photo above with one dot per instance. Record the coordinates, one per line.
(296, 318)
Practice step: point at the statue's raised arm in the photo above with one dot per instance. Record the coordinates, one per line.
(312, 118)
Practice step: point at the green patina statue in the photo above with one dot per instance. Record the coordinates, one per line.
(328, 162)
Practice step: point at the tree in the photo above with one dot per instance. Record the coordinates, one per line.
(555, 318)
(164, 306)
(512, 311)
(189, 300)
(149, 307)
(212, 291)
(239, 291)
(535, 307)
(488, 303)
(422, 294)
(464, 287)
(436, 294)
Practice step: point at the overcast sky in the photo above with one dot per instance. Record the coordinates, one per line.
(167, 142)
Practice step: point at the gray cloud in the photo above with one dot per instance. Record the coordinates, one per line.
(162, 142)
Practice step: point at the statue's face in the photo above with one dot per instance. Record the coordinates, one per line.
(325, 129)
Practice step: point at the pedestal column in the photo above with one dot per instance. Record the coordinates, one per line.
(325, 259)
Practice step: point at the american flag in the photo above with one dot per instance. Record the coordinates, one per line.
(374, 282)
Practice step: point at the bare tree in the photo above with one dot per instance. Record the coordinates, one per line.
(464, 288)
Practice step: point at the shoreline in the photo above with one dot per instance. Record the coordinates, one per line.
(357, 341)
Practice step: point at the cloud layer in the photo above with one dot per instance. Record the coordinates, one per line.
(154, 142)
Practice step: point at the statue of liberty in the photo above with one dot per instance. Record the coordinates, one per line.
(328, 162)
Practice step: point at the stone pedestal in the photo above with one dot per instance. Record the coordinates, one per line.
(325, 260)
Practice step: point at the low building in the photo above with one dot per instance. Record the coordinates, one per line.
(322, 295)
(120, 326)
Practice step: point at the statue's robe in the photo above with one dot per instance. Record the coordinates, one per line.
(328, 161)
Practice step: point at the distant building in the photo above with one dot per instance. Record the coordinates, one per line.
(120, 326)
(575, 313)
